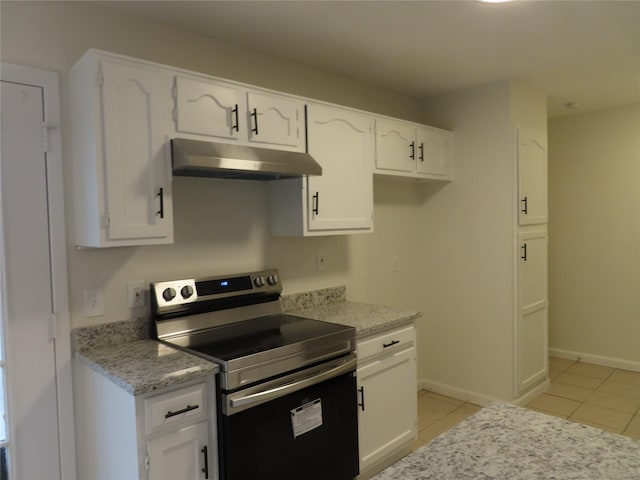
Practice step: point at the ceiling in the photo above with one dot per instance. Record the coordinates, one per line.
(581, 52)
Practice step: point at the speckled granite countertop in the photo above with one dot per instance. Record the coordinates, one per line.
(504, 442)
(123, 352)
(143, 366)
(366, 318)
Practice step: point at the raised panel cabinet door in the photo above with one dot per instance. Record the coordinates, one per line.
(208, 108)
(180, 454)
(434, 150)
(387, 410)
(532, 176)
(342, 142)
(395, 146)
(532, 331)
(137, 161)
(274, 120)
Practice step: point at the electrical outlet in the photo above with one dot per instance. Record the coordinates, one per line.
(93, 302)
(135, 293)
(321, 260)
(395, 263)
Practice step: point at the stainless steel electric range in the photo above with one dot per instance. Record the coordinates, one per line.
(287, 405)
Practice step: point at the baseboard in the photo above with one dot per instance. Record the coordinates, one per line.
(525, 398)
(457, 393)
(596, 359)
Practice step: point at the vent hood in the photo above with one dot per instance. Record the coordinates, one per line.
(194, 158)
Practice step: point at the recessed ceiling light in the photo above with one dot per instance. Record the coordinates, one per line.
(572, 105)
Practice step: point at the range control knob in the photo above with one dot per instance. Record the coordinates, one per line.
(169, 294)
(258, 281)
(186, 291)
(272, 279)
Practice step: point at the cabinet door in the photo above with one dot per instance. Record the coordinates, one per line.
(180, 454)
(274, 120)
(533, 306)
(387, 405)
(532, 176)
(208, 108)
(137, 162)
(434, 151)
(395, 146)
(342, 142)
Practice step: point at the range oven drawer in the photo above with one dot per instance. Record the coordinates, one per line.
(308, 434)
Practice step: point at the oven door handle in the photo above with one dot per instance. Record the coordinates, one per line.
(247, 401)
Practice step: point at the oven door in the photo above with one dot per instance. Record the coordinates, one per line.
(302, 426)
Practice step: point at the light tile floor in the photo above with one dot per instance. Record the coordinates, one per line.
(594, 395)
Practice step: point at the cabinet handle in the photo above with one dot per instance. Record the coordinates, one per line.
(390, 344)
(421, 147)
(188, 408)
(254, 114)
(525, 205)
(161, 195)
(316, 203)
(361, 404)
(413, 151)
(205, 470)
(235, 126)
(524, 252)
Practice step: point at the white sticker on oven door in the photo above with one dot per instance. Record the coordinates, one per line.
(306, 417)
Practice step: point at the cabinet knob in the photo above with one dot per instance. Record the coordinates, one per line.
(412, 145)
(525, 205)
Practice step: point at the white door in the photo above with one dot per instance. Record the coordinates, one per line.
(533, 306)
(180, 454)
(275, 120)
(342, 142)
(34, 281)
(395, 146)
(433, 152)
(532, 176)
(387, 405)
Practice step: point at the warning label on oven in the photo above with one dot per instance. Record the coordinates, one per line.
(306, 417)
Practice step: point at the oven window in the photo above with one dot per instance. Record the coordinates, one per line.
(261, 442)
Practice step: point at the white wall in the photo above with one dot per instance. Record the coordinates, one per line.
(594, 229)
(210, 237)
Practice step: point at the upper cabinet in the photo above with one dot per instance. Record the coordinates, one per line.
(411, 150)
(532, 176)
(207, 109)
(121, 161)
(341, 199)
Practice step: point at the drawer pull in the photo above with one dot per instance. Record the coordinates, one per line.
(390, 344)
(186, 409)
(205, 470)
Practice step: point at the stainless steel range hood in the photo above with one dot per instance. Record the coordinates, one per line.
(194, 158)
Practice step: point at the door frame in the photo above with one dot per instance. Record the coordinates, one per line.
(50, 84)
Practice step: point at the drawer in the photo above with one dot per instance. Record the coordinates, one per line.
(388, 340)
(172, 407)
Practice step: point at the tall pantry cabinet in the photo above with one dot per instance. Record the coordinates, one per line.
(532, 297)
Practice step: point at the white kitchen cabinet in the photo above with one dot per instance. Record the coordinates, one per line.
(341, 199)
(532, 327)
(532, 339)
(180, 454)
(121, 158)
(532, 176)
(159, 435)
(387, 398)
(207, 109)
(411, 150)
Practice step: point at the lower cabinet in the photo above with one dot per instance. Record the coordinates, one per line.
(180, 454)
(387, 398)
(163, 435)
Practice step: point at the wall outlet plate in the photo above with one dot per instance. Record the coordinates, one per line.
(93, 302)
(135, 294)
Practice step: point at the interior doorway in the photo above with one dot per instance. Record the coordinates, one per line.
(35, 323)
